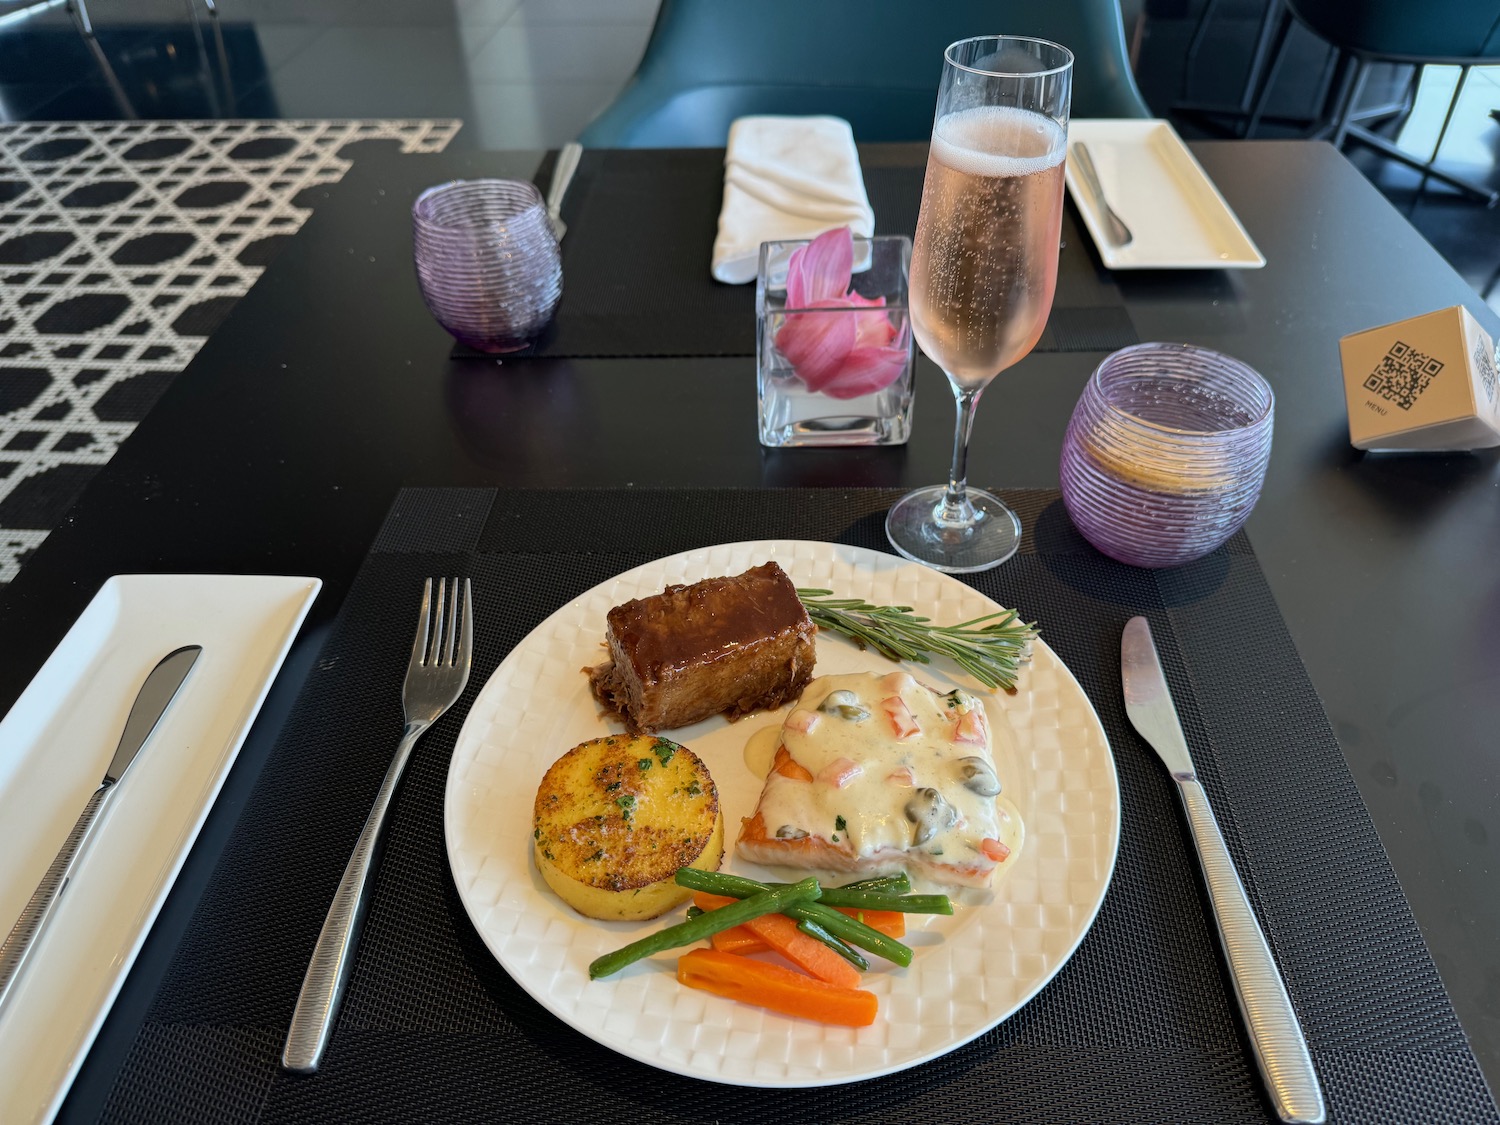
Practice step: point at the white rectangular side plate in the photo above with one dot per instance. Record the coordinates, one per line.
(54, 747)
(1176, 214)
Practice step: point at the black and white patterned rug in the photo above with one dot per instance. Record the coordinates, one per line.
(122, 246)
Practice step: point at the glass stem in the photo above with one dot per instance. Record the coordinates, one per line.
(955, 508)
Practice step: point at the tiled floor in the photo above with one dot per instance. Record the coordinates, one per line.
(521, 73)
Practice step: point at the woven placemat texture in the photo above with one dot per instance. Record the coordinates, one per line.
(1139, 1026)
(641, 229)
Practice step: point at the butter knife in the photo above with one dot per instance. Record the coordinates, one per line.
(1115, 229)
(151, 703)
(1280, 1049)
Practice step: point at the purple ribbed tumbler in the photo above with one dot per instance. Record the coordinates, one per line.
(1165, 453)
(487, 262)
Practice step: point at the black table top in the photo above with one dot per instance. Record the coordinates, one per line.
(329, 387)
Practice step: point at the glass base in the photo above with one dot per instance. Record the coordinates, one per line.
(982, 538)
(848, 429)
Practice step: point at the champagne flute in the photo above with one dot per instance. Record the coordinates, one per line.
(984, 266)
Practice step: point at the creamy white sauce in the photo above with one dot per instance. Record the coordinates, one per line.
(869, 772)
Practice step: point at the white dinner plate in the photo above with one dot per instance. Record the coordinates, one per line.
(55, 745)
(971, 970)
(1151, 180)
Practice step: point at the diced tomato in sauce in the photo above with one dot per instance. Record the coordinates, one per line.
(903, 722)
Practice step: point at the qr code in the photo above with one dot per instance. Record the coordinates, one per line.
(1403, 374)
(1484, 363)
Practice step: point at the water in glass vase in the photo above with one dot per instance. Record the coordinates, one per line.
(984, 265)
(791, 414)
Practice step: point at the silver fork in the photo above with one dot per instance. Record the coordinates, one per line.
(434, 679)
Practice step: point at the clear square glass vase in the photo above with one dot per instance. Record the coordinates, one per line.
(853, 385)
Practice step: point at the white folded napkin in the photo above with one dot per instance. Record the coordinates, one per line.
(785, 178)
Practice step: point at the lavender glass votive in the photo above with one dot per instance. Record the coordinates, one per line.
(487, 262)
(1165, 453)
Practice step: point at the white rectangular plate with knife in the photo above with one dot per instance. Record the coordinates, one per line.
(56, 744)
(1176, 216)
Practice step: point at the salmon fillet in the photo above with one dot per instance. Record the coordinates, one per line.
(878, 774)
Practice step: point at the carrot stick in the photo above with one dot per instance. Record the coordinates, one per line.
(892, 923)
(770, 986)
(807, 953)
(737, 939)
(778, 932)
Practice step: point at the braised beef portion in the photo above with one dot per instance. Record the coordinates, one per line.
(721, 646)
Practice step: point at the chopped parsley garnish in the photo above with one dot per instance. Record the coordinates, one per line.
(643, 763)
(838, 823)
(694, 789)
(665, 750)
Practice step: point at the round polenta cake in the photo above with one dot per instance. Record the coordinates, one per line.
(616, 817)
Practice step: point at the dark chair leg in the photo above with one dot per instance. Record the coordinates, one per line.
(1263, 93)
(1346, 111)
(1336, 97)
(1270, 38)
(1268, 31)
(80, 13)
(1458, 93)
(1195, 44)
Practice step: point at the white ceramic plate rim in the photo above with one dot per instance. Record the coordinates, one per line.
(1161, 215)
(69, 720)
(487, 812)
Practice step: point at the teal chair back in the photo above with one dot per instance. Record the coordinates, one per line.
(1418, 31)
(875, 63)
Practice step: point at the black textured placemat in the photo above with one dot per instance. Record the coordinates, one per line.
(1138, 1026)
(640, 237)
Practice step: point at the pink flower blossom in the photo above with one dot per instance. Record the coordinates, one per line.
(835, 353)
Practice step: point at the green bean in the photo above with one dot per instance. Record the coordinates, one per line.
(898, 884)
(867, 894)
(853, 931)
(706, 925)
(721, 883)
(881, 884)
(841, 926)
(869, 900)
(813, 930)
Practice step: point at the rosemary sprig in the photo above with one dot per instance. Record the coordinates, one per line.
(989, 652)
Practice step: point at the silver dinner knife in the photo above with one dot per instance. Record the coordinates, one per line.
(1117, 231)
(1280, 1049)
(151, 703)
(562, 175)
